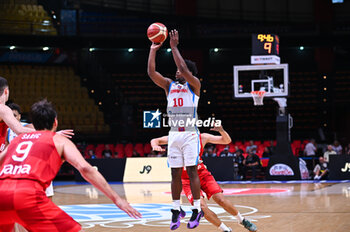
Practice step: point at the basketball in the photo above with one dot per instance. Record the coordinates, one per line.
(157, 32)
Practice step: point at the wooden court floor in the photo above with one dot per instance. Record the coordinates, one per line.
(298, 207)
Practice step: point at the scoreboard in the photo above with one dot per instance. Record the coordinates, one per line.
(265, 49)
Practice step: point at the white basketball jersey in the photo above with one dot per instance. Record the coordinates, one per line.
(182, 100)
(11, 134)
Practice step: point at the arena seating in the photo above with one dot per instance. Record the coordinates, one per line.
(59, 84)
(25, 17)
(125, 150)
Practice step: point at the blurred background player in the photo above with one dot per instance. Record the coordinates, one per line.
(208, 183)
(30, 163)
(7, 120)
(183, 149)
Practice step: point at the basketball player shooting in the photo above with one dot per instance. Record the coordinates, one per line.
(184, 144)
(208, 184)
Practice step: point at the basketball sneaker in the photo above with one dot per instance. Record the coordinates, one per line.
(175, 219)
(249, 225)
(195, 218)
(230, 230)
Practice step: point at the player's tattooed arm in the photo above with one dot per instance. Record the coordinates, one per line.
(180, 63)
(155, 76)
(155, 143)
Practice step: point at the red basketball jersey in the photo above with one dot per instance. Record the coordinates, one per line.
(32, 156)
(3, 130)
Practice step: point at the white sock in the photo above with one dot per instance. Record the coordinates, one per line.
(239, 217)
(176, 204)
(223, 227)
(197, 204)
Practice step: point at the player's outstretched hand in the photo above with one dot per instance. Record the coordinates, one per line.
(126, 207)
(156, 46)
(174, 38)
(157, 148)
(66, 133)
(217, 128)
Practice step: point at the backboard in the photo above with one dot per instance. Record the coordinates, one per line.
(273, 79)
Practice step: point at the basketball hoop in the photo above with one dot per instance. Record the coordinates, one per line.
(258, 97)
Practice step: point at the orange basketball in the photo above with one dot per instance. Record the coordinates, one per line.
(157, 32)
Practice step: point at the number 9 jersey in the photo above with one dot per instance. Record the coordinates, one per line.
(32, 156)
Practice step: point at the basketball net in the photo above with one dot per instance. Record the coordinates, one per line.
(258, 97)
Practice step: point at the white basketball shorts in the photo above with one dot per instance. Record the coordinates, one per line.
(183, 149)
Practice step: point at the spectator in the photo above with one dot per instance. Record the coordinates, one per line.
(209, 152)
(135, 154)
(237, 149)
(107, 152)
(329, 151)
(251, 162)
(321, 170)
(347, 149)
(225, 152)
(337, 147)
(238, 165)
(267, 152)
(310, 148)
(251, 146)
(272, 147)
(91, 154)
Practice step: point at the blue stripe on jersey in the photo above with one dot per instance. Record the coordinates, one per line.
(198, 147)
(8, 135)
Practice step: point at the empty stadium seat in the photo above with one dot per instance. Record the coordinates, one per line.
(30, 83)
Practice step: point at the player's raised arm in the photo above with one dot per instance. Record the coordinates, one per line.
(72, 155)
(156, 77)
(181, 65)
(10, 120)
(223, 138)
(155, 143)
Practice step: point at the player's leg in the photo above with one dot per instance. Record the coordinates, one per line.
(197, 213)
(208, 214)
(176, 162)
(210, 187)
(176, 188)
(229, 207)
(213, 218)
